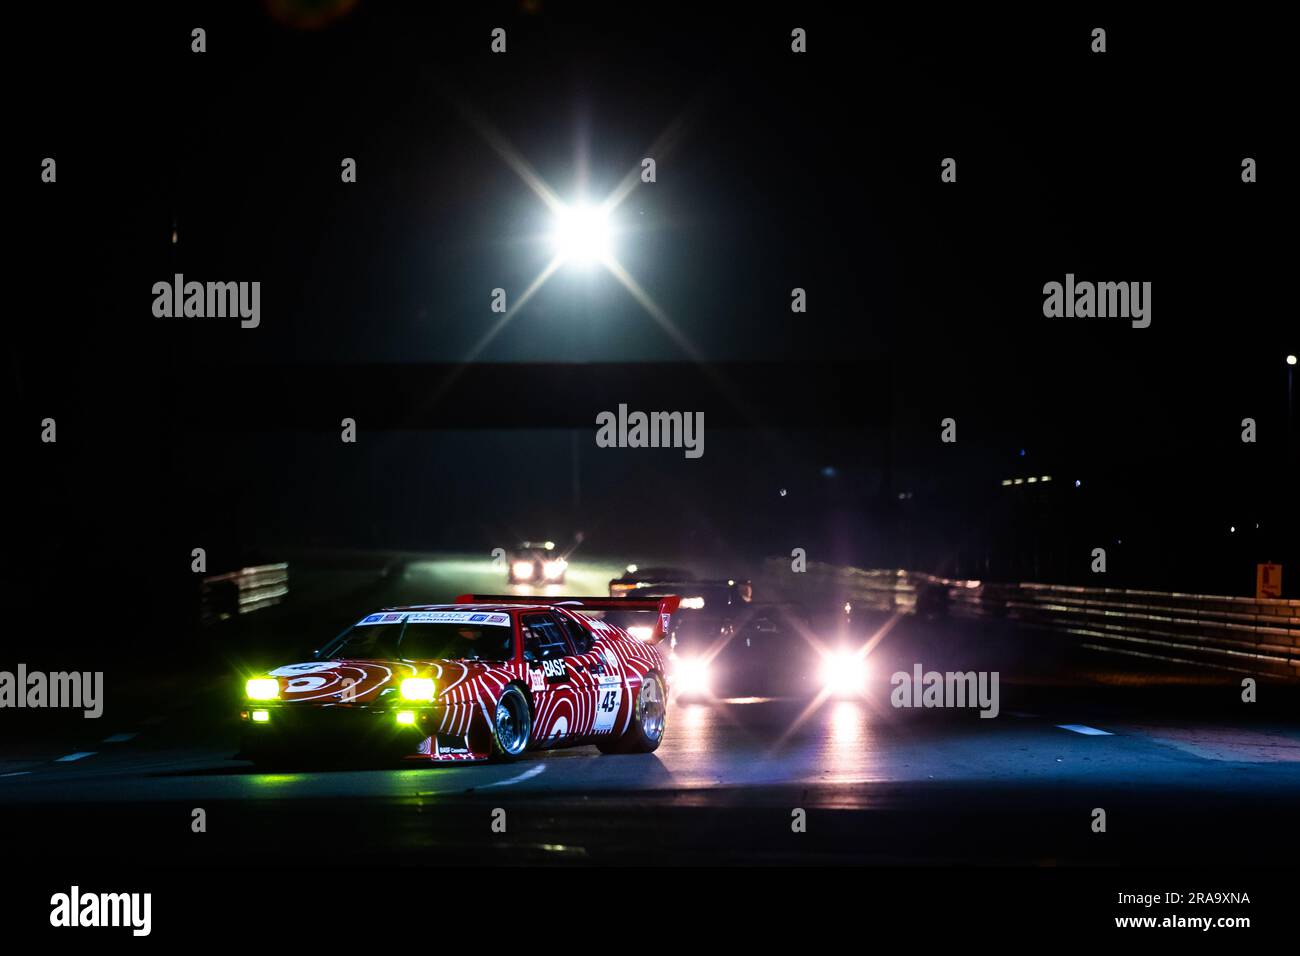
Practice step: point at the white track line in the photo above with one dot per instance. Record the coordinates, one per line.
(1086, 730)
(531, 772)
(17, 773)
(68, 758)
(119, 738)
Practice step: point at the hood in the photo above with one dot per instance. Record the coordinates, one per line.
(366, 681)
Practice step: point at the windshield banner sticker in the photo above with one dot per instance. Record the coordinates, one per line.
(436, 617)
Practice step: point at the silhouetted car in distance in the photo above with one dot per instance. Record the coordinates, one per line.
(722, 644)
(536, 562)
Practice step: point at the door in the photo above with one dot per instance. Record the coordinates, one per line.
(604, 677)
(563, 689)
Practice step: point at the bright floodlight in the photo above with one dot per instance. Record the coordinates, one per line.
(1290, 360)
(581, 234)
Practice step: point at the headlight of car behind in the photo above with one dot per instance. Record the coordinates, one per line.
(690, 676)
(845, 674)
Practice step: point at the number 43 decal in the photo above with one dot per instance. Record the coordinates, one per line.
(607, 700)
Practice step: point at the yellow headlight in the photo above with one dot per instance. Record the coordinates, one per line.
(261, 716)
(417, 688)
(262, 688)
(406, 718)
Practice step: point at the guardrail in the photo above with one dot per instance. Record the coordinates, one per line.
(827, 585)
(1247, 635)
(243, 591)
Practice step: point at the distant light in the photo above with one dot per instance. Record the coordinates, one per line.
(1045, 478)
(631, 569)
(1006, 481)
(782, 492)
(692, 603)
(1078, 483)
(1031, 479)
(1022, 453)
(731, 582)
(549, 546)
(848, 608)
(581, 234)
(1290, 360)
(1232, 529)
(829, 471)
(1019, 481)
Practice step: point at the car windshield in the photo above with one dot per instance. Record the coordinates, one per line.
(414, 641)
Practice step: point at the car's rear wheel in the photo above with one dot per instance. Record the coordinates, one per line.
(512, 723)
(649, 718)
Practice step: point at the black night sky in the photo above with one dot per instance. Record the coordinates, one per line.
(818, 171)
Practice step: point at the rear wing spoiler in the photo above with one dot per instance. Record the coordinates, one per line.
(665, 607)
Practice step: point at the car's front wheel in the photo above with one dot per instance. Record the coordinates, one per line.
(649, 718)
(512, 722)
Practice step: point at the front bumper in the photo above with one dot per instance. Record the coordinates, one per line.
(274, 727)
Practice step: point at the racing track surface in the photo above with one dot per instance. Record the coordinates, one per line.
(1184, 771)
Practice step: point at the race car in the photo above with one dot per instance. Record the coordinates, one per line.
(721, 644)
(487, 678)
(536, 562)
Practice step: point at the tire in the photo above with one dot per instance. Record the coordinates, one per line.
(512, 724)
(649, 720)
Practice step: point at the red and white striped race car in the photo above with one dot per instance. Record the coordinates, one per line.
(488, 677)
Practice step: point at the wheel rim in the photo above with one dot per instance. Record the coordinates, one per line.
(512, 724)
(650, 708)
